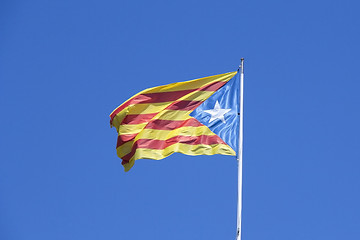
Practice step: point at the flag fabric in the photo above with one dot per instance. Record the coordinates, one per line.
(197, 117)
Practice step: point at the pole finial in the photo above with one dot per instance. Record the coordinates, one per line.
(241, 63)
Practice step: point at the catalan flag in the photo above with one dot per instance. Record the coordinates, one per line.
(197, 117)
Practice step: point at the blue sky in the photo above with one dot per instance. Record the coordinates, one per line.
(65, 65)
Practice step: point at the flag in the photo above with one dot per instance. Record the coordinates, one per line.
(197, 117)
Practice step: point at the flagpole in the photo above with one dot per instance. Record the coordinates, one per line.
(240, 152)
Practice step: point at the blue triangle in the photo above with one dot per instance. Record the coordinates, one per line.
(228, 98)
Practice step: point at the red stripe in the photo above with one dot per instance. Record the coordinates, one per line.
(163, 96)
(211, 87)
(171, 125)
(125, 138)
(138, 118)
(162, 144)
(184, 105)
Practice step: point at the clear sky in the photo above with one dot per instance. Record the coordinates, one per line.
(65, 65)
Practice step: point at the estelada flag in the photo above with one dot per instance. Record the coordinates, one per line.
(197, 117)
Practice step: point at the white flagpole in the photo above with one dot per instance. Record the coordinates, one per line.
(240, 152)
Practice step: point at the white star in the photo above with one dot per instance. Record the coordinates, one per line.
(217, 113)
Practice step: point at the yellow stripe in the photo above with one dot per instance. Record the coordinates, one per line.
(146, 108)
(131, 129)
(197, 96)
(192, 84)
(125, 148)
(166, 134)
(144, 153)
(174, 115)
